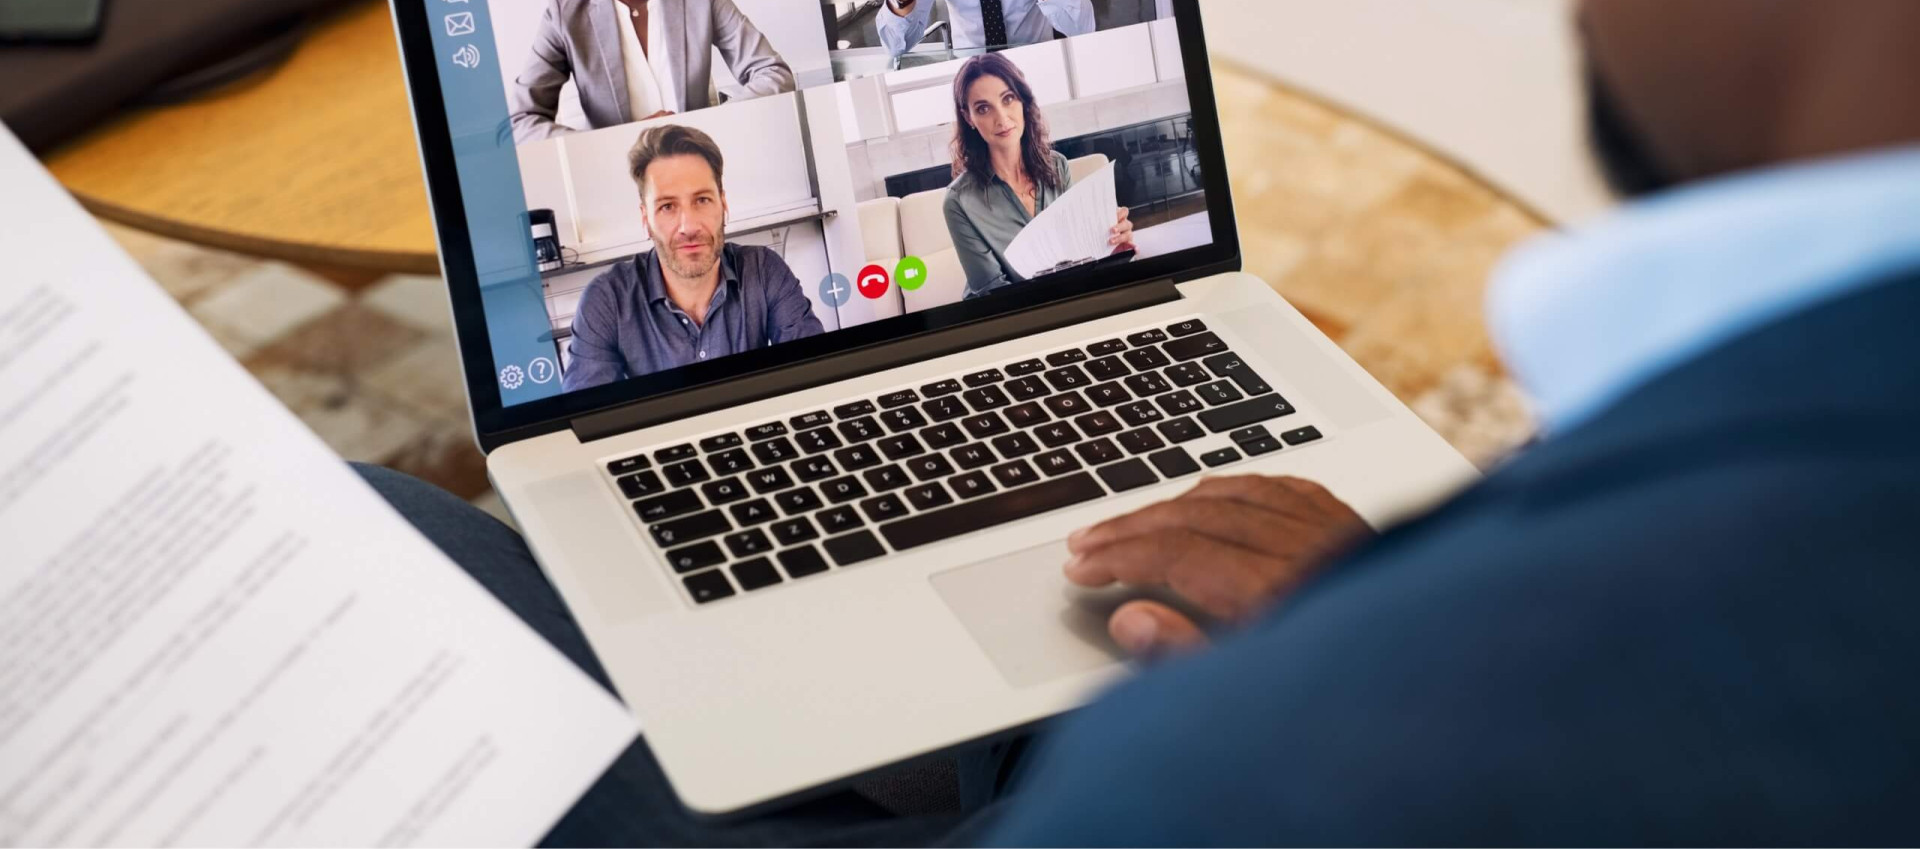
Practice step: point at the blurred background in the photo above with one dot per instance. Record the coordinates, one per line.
(1383, 155)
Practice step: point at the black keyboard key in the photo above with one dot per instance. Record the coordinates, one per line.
(1178, 403)
(900, 447)
(1109, 394)
(708, 586)
(929, 467)
(748, 542)
(1099, 424)
(944, 409)
(899, 399)
(1111, 346)
(692, 528)
(1301, 436)
(984, 425)
(1026, 367)
(697, 556)
(886, 478)
(1132, 474)
(1066, 405)
(629, 465)
(794, 502)
(675, 454)
(985, 398)
(1068, 357)
(1174, 462)
(853, 548)
(730, 462)
(903, 419)
(1098, 452)
(981, 513)
(1216, 459)
(1016, 473)
(724, 491)
(927, 496)
(1015, 445)
(1250, 434)
(885, 508)
(1056, 463)
(801, 562)
(755, 574)
(843, 490)
(1219, 392)
(857, 457)
(776, 450)
(1056, 434)
(1236, 416)
(818, 440)
(1148, 385)
(943, 436)
(766, 431)
(641, 485)
(839, 519)
(1138, 413)
(1027, 388)
(1071, 377)
(1180, 430)
(770, 479)
(1108, 368)
(683, 474)
(1194, 347)
(1146, 359)
(1233, 368)
(1147, 337)
(1184, 375)
(972, 456)
(810, 420)
(982, 378)
(853, 410)
(1186, 328)
(1264, 445)
(813, 469)
(752, 512)
(663, 507)
(944, 387)
(972, 485)
(1026, 415)
(1141, 441)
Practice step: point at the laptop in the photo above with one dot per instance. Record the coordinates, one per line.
(804, 475)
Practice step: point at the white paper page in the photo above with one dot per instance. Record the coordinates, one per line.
(212, 632)
(1074, 228)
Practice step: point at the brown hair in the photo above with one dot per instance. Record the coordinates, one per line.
(970, 148)
(672, 140)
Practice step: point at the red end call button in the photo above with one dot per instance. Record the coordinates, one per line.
(873, 282)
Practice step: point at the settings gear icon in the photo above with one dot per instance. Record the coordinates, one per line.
(511, 377)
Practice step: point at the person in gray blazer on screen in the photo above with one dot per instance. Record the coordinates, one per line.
(637, 59)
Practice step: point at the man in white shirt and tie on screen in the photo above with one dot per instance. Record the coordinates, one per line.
(983, 23)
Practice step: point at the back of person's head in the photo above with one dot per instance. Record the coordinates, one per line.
(1683, 90)
(656, 143)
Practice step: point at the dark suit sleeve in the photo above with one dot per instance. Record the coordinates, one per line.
(789, 313)
(534, 97)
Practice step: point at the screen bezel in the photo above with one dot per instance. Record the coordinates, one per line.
(495, 424)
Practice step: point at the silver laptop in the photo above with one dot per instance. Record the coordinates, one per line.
(813, 525)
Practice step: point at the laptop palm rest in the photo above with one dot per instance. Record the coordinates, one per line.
(1032, 623)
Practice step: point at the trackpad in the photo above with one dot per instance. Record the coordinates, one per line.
(1033, 623)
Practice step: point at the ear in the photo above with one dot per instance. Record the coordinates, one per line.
(646, 217)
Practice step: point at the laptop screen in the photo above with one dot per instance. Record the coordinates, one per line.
(651, 190)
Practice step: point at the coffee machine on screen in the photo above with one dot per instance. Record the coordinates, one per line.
(546, 239)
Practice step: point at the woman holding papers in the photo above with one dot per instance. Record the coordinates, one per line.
(1005, 171)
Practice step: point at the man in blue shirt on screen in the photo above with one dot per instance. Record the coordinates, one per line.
(983, 23)
(693, 298)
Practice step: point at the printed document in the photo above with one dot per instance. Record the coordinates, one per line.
(1073, 230)
(212, 632)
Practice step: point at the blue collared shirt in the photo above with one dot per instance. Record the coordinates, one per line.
(1028, 22)
(626, 326)
(1585, 317)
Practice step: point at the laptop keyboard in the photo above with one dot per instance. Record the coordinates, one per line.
(742, 511)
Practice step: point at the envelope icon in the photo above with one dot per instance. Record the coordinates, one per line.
(460, 23)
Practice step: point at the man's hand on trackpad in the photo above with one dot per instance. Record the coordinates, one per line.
(1230, 546)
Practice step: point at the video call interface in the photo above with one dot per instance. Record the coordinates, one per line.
(707, 177)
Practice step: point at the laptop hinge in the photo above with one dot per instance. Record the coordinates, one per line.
(863, 361)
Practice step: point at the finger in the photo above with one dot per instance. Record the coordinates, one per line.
(1148, 628)
(1224, 580)
(1289, 495)
(1237, 522)
(1125, 213)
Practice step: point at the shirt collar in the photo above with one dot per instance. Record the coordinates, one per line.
(654, 286)
(1582, 318)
